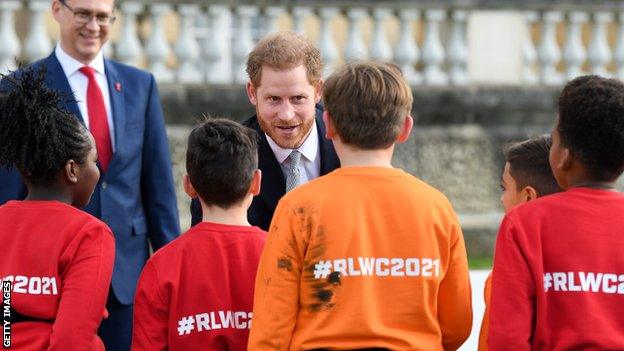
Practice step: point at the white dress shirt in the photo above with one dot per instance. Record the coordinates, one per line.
(79, 83)
(311, 160)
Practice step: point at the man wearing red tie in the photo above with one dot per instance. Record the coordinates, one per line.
(121, 107)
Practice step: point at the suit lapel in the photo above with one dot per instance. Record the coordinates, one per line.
(273, 185)
(117, 100)
(329, 159)
(57, 80)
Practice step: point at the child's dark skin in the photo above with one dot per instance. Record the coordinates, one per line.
(74, 183)
(568, 170)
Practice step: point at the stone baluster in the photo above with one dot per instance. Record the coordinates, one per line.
(9, 43)
(157, 48)
(380, 48)
(432, 50)
(37, 43)
(457, 51)
(355, 48)
(599, 51)
(618, 54)
(244, 42)
(299, 15)
(406, 49)
(326, 45)
(548, 52)
(270, 15)
(129, 50)
(187, 49)
(529, 53)
(574, 51)
(218, 47)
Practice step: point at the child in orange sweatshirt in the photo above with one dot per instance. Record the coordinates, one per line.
(526, 176)
(367, 256)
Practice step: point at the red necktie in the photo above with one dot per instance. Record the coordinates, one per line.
(98, 119)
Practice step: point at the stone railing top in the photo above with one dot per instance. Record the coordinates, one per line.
(436, 43)
(584, 5)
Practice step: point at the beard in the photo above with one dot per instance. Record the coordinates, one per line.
(284, 138)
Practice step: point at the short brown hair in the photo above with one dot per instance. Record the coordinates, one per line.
(529, 166)
(284, 50)
(368, 103)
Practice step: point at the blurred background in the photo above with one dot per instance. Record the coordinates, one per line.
(483, 72)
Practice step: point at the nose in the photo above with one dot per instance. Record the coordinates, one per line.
(286, 111)
(92, 24)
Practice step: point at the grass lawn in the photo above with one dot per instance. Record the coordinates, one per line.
(480, 262)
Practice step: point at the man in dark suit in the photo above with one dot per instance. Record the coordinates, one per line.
(284, 85)
(121, 107)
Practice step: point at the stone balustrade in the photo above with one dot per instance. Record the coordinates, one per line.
(207, 42)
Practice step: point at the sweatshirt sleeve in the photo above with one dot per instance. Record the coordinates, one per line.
(84, 289)
(276, 297)
(455, 297)
(513, 294)
(151, 313)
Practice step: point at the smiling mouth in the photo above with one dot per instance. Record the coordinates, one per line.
(87, 37)
(287, 127)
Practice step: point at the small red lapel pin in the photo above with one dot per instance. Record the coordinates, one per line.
(118, 86)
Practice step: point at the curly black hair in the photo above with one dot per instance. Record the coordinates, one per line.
(591, 124)
(221, 158)
(36, 135)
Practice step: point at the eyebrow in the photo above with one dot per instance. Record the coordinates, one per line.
(97, 13)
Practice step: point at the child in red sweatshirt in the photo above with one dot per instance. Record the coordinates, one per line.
(56, 261)
(558, 267)
(196, 293)
(526, 177)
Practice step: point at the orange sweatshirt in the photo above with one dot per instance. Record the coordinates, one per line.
(363, 257)
(485, 323)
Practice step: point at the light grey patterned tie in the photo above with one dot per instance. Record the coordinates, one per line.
(293, 176)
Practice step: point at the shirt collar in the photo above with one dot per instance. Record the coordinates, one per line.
(309, 148)
(71, 65)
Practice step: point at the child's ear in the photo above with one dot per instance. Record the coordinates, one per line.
(254, 189)
(566, 159)
(71, 171)
(330, 132)
(318, 88)
(406, 129)
(188, 187)
(251, 93)
(528, 193)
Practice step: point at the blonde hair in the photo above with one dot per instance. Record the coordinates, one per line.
(368, 103)
(284, 50)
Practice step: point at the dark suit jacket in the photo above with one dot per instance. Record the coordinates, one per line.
(273, 185)
(136, 197)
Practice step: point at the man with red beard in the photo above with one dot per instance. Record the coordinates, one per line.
(285, 85)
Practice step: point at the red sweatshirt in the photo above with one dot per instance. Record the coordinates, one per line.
(558, 278)
(60, 261)
(196, 293)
